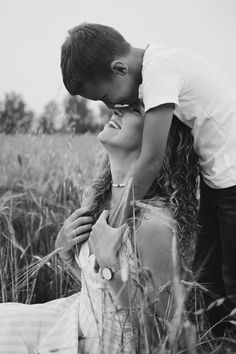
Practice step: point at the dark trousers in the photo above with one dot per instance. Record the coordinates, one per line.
(215, 254)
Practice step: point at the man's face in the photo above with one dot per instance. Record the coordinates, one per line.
(117, 90)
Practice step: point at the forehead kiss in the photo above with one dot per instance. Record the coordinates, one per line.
(124, 113)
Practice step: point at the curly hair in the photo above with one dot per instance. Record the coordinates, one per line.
(178, 182)
(176, 185)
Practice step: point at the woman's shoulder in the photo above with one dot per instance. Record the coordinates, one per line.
(156, 227)
(155, 241)
(155, 214)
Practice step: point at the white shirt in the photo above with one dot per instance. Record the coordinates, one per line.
(204, 100)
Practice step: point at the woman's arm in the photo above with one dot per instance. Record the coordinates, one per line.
(154, 239)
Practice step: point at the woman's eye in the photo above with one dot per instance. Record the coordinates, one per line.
(118, 113)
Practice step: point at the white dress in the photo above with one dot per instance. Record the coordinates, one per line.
(86, 322)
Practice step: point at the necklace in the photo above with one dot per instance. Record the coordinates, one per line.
(119, 185)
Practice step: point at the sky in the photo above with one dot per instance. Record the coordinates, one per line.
(32, 32)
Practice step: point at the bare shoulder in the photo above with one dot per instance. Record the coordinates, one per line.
(156, 227)
(154, 238)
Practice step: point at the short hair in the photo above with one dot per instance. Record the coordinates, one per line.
(87, 53)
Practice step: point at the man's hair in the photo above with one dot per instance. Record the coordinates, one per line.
(87, 53)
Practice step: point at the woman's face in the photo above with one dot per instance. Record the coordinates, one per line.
(124, 130)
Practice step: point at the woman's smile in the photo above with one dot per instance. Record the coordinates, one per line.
(123, 131)
(113, 124)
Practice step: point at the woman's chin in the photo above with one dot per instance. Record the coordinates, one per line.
(107, 134)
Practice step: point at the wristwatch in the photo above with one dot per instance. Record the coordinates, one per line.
(107, 273)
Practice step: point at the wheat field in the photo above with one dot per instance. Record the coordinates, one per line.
(42, 180)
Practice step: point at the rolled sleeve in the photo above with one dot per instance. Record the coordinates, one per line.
(162, 83)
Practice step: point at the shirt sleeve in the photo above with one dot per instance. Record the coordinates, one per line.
(161, 83)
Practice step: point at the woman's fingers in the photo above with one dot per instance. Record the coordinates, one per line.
(81, 229)
(75, 229)
(77, 213)
(66, 240)
(82, 220)
(80, 238)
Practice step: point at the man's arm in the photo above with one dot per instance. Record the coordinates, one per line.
(156, 129)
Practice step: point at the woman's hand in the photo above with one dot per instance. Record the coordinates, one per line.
(76, 229)
(105, 241)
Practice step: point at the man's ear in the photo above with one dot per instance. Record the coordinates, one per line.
(119, 67)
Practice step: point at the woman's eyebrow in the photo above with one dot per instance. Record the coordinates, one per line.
(118, 112)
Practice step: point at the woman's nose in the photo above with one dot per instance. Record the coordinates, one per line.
(118, 112)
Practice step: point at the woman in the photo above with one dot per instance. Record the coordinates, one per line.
(126, 269)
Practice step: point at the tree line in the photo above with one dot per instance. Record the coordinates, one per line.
(74, 114)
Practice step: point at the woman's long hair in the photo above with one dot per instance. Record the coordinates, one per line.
(177, 186)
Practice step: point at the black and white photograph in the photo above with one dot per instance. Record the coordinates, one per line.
(117, 177)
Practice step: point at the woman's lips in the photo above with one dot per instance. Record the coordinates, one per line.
(113, 124)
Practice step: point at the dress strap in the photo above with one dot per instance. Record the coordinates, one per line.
(82, 258)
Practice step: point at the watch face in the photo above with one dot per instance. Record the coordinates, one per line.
(107, 273)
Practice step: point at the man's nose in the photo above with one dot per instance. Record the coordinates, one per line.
(108, 104)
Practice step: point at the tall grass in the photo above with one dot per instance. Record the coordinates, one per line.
(42, 180)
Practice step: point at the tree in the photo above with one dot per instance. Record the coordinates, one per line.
(14, 116)
(78, 115)
(47, 120)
